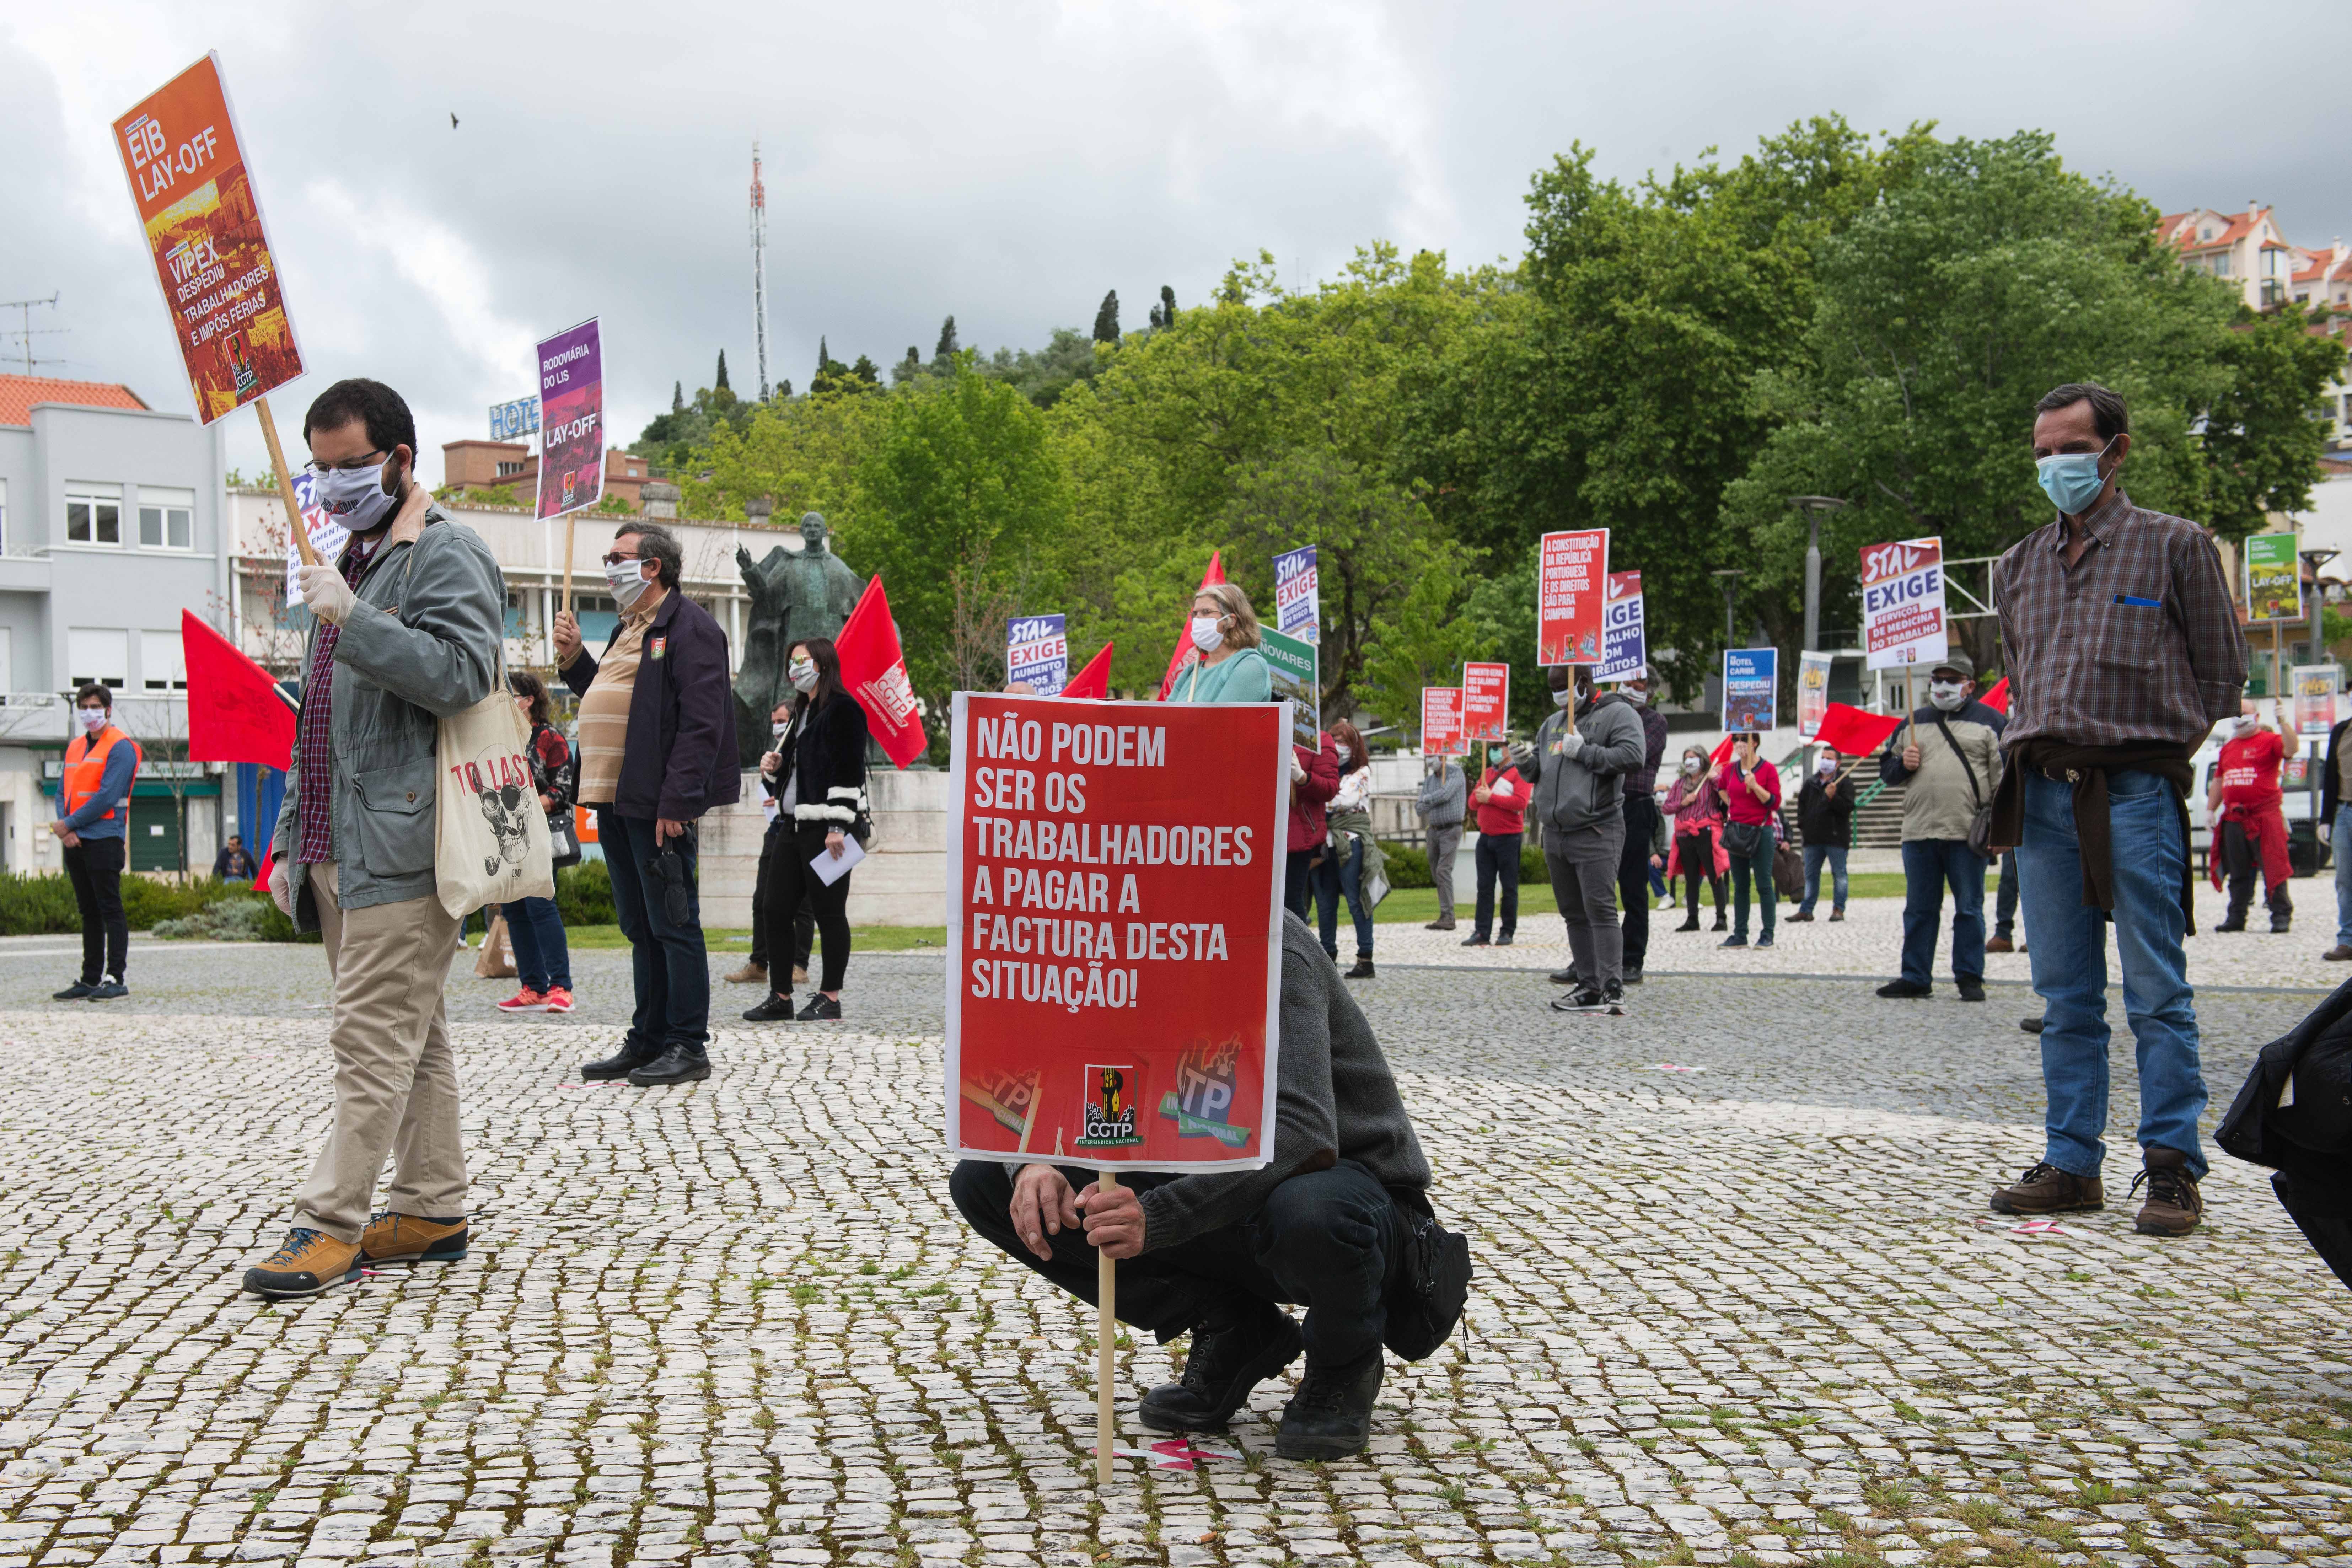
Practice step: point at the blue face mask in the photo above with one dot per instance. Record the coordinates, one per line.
(2072, 479)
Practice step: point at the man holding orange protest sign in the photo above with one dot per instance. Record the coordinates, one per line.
(1126, 994)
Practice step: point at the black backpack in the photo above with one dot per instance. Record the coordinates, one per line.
(2294, 1114)
(1425, 1299)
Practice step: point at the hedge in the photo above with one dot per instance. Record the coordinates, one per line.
(583, 894)
(39, 906)
(1408, 866)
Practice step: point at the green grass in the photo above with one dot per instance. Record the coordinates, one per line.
(1418, 905)
(723, 943)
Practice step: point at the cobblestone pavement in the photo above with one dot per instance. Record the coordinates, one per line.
(1869, 940)
(1748, 1312)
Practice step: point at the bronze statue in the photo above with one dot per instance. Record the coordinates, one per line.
(793, 595)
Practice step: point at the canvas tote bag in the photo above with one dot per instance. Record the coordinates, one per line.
(490, 844)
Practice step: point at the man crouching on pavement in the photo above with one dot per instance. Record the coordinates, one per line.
(1337, 1223)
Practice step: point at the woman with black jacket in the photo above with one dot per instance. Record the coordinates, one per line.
(817, 773)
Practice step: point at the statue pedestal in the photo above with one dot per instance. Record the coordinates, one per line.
(902, 881)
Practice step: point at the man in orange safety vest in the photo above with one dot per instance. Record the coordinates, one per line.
(93, 822)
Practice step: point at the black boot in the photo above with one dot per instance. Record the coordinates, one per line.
(1690, 924)
(620, 1063)
(1721, 924)
(1231, 1354)
(679, 1064)
(1363, 969)
(776, 1009)
(2234, 920)
(1330, 1416)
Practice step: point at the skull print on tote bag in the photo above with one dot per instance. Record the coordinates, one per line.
(490, 844)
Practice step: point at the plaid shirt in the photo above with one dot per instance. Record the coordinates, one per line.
(2138, 640)
(313, 745)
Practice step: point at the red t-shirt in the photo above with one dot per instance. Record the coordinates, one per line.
(1502, 813)
(1739, 802)
(2249, 769)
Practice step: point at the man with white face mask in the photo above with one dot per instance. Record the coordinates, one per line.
(406, 632)
(1948, 766)
(657, 750)
(2245, 806)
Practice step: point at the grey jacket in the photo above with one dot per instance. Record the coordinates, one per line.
(1334, 1099)
(421, 645)
(1442, 795)
(1580, 777)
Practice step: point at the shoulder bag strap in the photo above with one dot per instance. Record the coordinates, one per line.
(1974, 794)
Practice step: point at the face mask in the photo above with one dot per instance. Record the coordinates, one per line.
(93, 720)
(1559, 698)
(1693, 764)
(2072, 479)
(1947, 696)
(353, 497)
(1826, 766)
(803, 674)
(2245, 726)
(1344, 754)
(778, 730)
(1205, 634)
(628, 581)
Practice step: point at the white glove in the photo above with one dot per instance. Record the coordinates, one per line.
(1298, 769)
(281, 886)
(323, 589)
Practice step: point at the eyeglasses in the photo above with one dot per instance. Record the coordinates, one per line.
(616, 559)
(348, 466)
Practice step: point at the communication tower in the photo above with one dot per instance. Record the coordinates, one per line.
(759, 270)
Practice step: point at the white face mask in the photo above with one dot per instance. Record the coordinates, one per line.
(778, 730)
(628, 581)
(1826, 766)
(1344, 754)
(353, 497)
(1205, 634)
(1947, 695)
(2245, 726)
(802, 674)
(92, 719)
(1559, 698)
(1693, 764)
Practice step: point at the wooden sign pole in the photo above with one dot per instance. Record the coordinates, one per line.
(310, 556)
(571, 532)
(1106, 1332)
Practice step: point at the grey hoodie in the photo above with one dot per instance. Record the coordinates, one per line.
(1580, 775)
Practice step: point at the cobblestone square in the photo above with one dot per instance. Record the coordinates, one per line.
(1739, 1299)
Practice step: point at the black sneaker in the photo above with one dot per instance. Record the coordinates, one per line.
(1970, 990)
(821, 1009)
(108, 991)
(1563, 976)
(1504, 940)
(1633, 976)
(1475, 939)
(1905, 989)
(73, 993)
(1330, 1416)
(2031, 1025)
(776, 1009)
(1690, 924)
(1227, 1360)
(1734, 940)
(1720, 923)
(1583, 999)
(2279, 924)
(1613, 999)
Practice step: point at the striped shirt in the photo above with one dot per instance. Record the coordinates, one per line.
(314, 745)
(2138, 640)
(604, 710)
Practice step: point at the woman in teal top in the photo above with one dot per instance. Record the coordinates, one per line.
(1225, 664)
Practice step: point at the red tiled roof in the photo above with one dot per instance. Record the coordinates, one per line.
(20, 393)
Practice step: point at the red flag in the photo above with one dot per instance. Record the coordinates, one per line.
(1215, 573)
(1848, 728)
(1997, 698)
(1721, 754)
(236, 712)
(874, 672)
(1094, 681)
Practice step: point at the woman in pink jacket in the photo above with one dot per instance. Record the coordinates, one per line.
(1697, 807)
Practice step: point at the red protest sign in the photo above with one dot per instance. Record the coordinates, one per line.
(1115, 931)
(1486, 700)
(1441, 722)
(1571, 577)
(202, 220)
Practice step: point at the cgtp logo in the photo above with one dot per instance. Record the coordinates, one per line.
(1110, 1122)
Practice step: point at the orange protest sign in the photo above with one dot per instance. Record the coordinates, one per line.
(202, 224)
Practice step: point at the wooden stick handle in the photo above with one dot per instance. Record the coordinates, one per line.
(1106, 1332)
(571, 532)
(310, 556)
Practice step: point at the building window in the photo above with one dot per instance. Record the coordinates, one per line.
(166, 519)
(93, 513)
(97, 655)
(2221, 264)
(508, 467)
(161, 664)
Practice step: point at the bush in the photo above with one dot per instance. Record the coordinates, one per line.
(583, 894)
(227, 920)
(1408, 866)
(34, 906)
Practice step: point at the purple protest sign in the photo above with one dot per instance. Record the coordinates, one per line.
(572, 424)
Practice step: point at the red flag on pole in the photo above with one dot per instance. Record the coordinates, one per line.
(236, 712)
(874, 670)
(1094, 681)
(1997, 697)
(1847, 729)
(1215, 573)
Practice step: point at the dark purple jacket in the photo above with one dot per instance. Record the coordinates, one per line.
(679, 759)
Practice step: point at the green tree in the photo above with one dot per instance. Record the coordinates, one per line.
(1107, 320)
(721, 384)
(947, 349)
(2265, 431)
(1043, 376)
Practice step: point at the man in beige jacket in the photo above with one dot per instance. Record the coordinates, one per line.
(1949, 764)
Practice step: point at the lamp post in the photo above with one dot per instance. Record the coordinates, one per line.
(1814, 507)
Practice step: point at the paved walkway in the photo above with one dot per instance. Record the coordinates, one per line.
(1738, 1300)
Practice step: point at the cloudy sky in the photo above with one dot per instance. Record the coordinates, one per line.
(1009, 162)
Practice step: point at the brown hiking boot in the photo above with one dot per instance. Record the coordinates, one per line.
(311, 1261)
(750, 975)
(413, 1239)
(2046, 1189)
(2000, 945)
(2174, 1205)
(2337, 954)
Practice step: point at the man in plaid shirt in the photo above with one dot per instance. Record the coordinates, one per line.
(2125, 651)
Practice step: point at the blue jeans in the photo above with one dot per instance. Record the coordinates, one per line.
(1342, 877)
(2342, 845)
(1814, 855)
(667, 960)
(1928, 865)
(542, 956)
(2070, 969)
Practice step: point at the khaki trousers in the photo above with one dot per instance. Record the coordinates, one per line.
(395, 1076)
